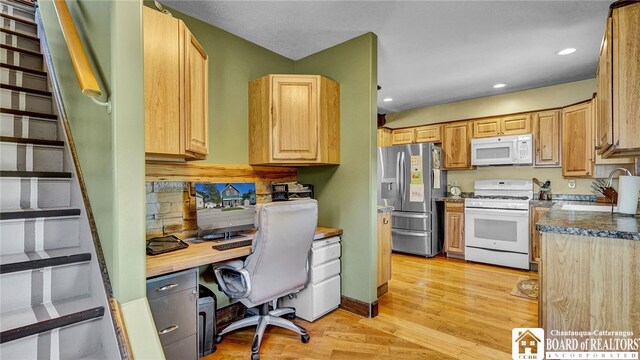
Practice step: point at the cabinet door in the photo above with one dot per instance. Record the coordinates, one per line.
(164, 127)
(384, 137)
(599, 160)
(384, 248)
(456, 145)
(515, 124)
(604, 121)
(486, 127)
(454, 228)
(430, 133)
(577, 151)
(196, 96)
(295, 119)
(547, 137)
(536, 213)
(402, 136)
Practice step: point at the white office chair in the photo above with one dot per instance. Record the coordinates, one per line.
(277, 267)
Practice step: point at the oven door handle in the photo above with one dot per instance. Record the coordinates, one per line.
(476, 211)
(413, 216)
(410, 233)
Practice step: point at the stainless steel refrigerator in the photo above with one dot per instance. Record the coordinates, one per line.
(409, 178)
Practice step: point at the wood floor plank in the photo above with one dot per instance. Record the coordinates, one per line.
(436, 308)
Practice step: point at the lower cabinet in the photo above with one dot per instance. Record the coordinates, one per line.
(454, 229)
(322, 293)
(173, 301)
(384, 249)
(536, 213)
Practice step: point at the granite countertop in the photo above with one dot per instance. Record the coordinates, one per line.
(383, 209)
(589, 223)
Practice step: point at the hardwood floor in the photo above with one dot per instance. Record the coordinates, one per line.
(435, 309)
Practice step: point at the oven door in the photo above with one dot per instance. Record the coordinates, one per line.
(493, 153)
(497, 229)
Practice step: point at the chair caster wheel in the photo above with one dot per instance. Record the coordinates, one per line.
(255, 356)
(305, 338)
(291, 316)
(218, 339)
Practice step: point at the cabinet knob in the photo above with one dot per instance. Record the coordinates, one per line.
(385, 221)
(597, 147)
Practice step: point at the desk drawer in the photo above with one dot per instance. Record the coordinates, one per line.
(325, 271)
(185, 349)
(324, 254)
(172, 283)
(326, 296)
(175, 315)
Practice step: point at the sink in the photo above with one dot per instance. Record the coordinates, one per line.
(600, 208)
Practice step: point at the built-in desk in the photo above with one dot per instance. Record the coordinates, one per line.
(201, 253)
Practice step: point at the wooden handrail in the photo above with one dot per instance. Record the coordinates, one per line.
(86, 77)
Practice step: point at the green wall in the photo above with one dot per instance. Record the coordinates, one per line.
(347, 193)
(233, 62)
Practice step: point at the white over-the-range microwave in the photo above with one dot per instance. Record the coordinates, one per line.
(502, 150)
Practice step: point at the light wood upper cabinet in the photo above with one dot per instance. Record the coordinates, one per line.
(454, 228)
(599, 160)
(456, 145)
(498, 126)
(619, 84)
(175, 90)
(294, 120)
(429, 133)
(384, 137)
(547, 137)
(536, 213)
(384, 248)
(577, 145)
(403, 136)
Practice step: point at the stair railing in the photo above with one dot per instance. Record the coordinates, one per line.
(86, 77)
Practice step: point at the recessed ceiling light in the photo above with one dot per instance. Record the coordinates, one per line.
(498, 86)
(387, 99)
(566, 51)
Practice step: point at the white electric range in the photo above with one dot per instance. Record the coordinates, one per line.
(497, 223)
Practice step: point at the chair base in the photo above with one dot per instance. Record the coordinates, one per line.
(261, 320)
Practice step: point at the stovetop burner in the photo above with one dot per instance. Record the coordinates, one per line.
(500, 197)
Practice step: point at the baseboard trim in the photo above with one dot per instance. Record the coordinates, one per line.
(359, 307)
(383, 289)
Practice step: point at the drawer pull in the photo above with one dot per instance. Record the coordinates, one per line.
(167, 330)
(167, 287)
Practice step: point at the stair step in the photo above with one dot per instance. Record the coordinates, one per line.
(35, 174)
(31, 192)
(17, 40)
(23, 69)
(19, 88)
(22, 3)
(17, 11)
(37, 234)
(19, 25)
(83, 340)
(27, 113)
(28, 127)
(30, 100)
(51, 324)
(37, 260)
(13, 214)
(21, 57)
(25, 154)
(19, 19)
(24, 81)
(57, 284)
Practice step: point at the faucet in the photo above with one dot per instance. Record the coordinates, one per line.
(610, 181)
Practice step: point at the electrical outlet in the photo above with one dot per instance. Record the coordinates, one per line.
(572, 184)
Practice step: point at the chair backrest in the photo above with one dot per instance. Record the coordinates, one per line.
(281, 246)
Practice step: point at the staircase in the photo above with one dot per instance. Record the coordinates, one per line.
(55, 297)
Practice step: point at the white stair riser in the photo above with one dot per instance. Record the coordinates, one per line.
(19, 42)
(17, 58)
(23, 235)
(23, 79)
(78, 341)
(35, 287)
(28, 127)
(16, 12)
(35, 193)
(19, 100)
(28, 157)
(18, 26)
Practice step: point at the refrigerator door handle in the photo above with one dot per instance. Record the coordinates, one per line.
(398, 180)
(403, 177)
(412, 215)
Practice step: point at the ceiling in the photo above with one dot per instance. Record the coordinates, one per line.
(429, 52)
